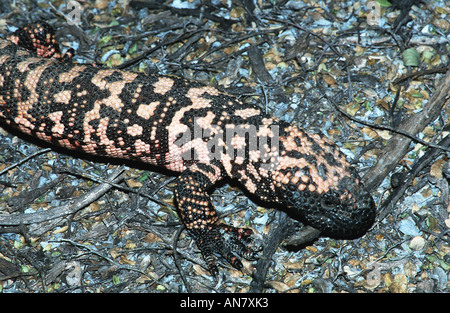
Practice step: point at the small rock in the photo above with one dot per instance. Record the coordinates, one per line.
(408, 227)
(441, 278)
(417, 243)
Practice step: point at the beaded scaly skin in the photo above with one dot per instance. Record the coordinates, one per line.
(186, 127)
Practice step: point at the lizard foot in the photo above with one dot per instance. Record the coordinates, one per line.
(228, 242)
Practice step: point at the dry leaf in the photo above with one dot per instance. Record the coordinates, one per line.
(311, 248)
(46, 167)
(371, 93)
(237, 12)
(333, 132)
(130, 245)
(143, 279)
(292, 279)
(429, 131)
(436, 168)
(399, 283)
(114, 254)
(329, 79)
(279, 286)
(151, 238)
(124, 260)
(447, 222)
(247, 267)
(293, 265)
(200, 271)
(384, 134)
(101, 4)
(134, 184)
(370, 132)
(94, 206)
(352, 108)
(61, 230)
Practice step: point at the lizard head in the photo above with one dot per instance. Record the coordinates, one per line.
(345, 210)
(315, 182)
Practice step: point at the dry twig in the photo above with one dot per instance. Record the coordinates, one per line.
(63, 210)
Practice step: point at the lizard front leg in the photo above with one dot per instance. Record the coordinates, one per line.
(200, 218)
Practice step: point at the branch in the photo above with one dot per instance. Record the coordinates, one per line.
(63, 210)
(398, 192)
(398, 145)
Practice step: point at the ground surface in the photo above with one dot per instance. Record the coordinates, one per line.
(313, 60)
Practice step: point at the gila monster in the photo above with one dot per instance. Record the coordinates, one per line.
(187, 127)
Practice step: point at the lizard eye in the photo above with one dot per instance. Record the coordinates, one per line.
(326, 203)
(329, 202)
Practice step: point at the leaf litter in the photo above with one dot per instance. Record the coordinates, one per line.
(315, 50)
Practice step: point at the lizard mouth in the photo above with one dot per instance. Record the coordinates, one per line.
(336, 218)
(337, 222)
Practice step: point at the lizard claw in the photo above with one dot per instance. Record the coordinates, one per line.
(227, 242)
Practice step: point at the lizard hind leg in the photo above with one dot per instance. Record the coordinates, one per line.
(200, 218)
